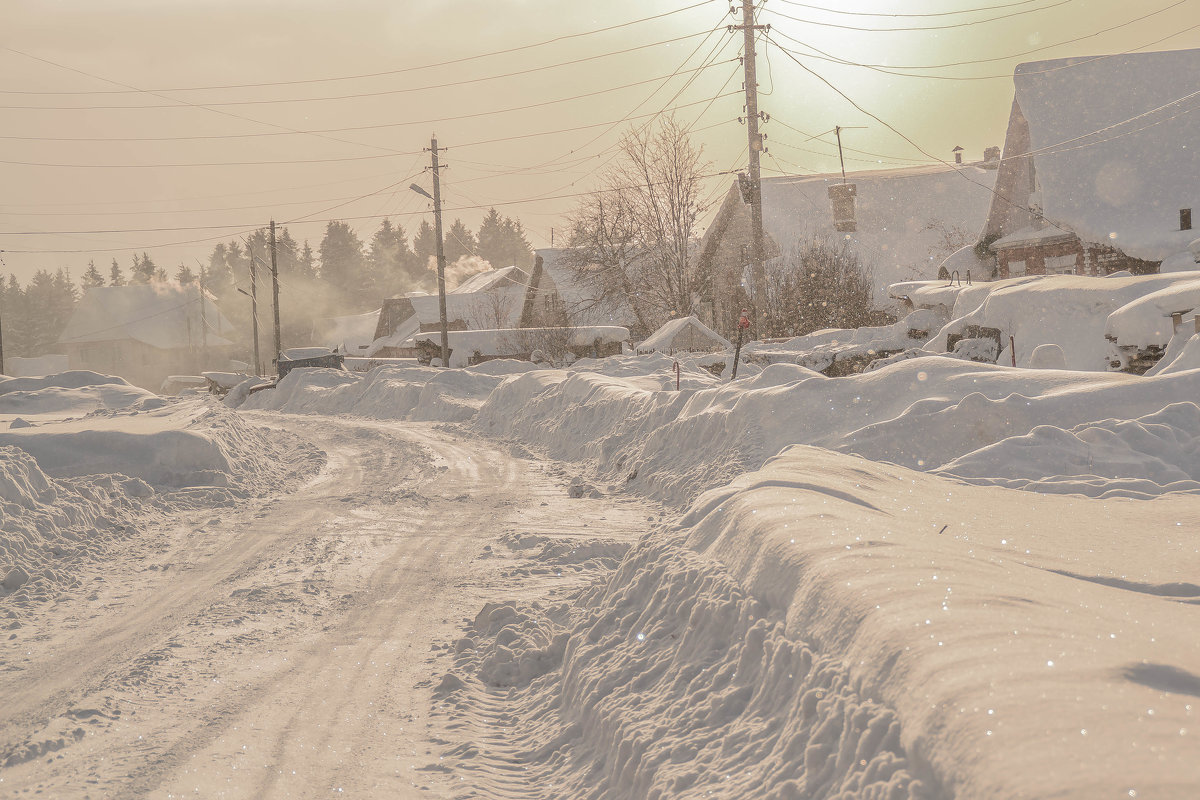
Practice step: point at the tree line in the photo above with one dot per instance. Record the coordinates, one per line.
(343, 275)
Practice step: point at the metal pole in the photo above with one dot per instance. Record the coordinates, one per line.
(757, 251)
(254, 308)
(441, 255)
(275, 296)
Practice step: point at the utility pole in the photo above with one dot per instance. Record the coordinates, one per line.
(441, 255)
(203, 323)
(757, 251)
(275, 296)
(254, 308)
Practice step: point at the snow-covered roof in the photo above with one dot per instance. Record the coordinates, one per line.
(496, 306)
(1114, 146)
(493, 278)
(579, 300)
(894, 210)
(664, 339)
(351, 334)
(163, 315)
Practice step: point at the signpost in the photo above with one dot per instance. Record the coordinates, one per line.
(743, 324)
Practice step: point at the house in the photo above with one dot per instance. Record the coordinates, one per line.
(147, 332)
(1100, 170)
(549, 296)
(684, 335)
(497, 298)
(581, 304)
(900, 222)
(352, 334)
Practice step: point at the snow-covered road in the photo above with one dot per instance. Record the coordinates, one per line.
(283, 647)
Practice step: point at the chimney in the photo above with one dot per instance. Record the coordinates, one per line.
(1185, 219)
(958, 151)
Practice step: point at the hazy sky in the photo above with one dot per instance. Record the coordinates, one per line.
(167, 126)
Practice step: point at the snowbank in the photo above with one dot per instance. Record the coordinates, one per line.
(410, 391)
(830, 627)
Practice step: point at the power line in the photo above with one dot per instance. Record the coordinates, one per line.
(250, 229)
(1008, 57)
(357, 95)
(826, 56)
(841, 26)
(922, 150)
(564, 37)
(897, 14)
(391, 154)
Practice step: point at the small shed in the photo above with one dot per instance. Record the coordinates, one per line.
(684, 335)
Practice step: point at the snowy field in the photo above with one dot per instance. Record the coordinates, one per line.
(935, 579)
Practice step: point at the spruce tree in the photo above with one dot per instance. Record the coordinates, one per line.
(306, 265)
(491, 239)
(425, 246)
(115, 276)
(184, 275)
(459, 242)
(144, 269)
(388, 259)
(92, 277)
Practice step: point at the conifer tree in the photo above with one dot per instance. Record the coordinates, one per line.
(15, 318)
(115, 276)
(389, 258)
(92, 277)
(184, 275)
(306, 265)
(425, 246)
(459, 242)
(144, 269)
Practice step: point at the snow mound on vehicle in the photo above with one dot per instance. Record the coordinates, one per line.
(169, 445)
(1144, 457)
(73, 379)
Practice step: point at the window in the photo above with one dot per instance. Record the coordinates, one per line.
(1061, 265)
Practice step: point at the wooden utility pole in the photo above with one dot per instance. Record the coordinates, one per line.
(441, 255)
(1, 341)
(757, 251)
(254, 308)
(275, 297)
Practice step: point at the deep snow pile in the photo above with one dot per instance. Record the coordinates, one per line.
(46, 526)
(832, 627)
(922, 413)
(387, 392)
(671, 680)
(433, 394)
(74, 392)
(72, 488)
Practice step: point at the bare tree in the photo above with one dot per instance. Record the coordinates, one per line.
(634, 238)
(819, 284)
